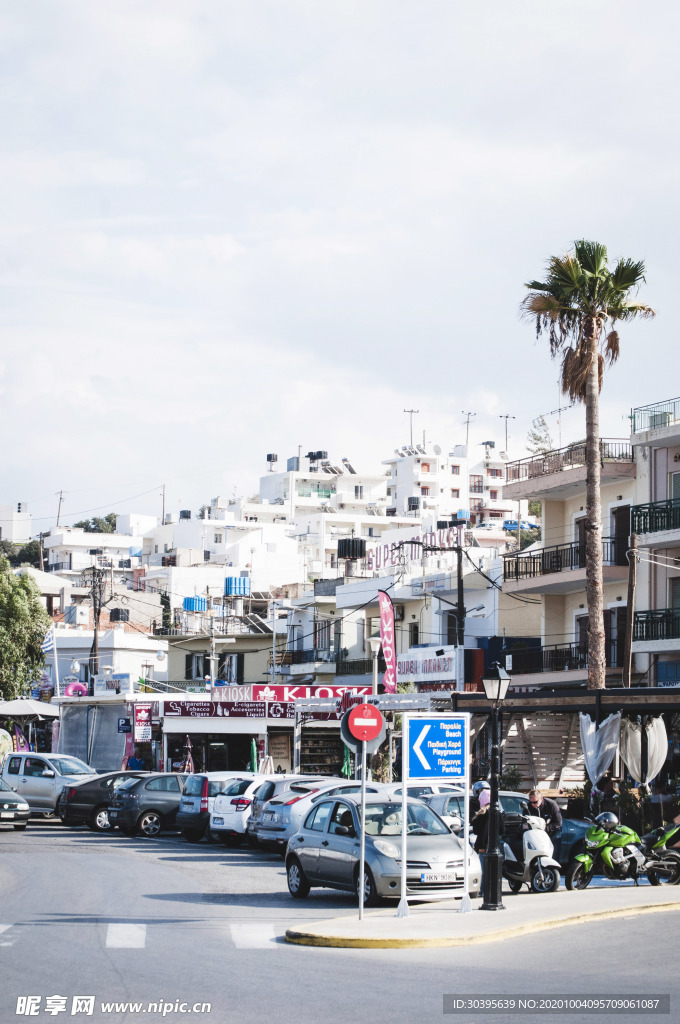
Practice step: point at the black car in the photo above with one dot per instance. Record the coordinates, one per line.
(13, 808)
(147, 805)
(87, 803)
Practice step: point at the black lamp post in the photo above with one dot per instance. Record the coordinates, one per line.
(496, 683)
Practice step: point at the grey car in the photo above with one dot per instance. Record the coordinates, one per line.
(325, 851)
(281, 817)
(40, 778)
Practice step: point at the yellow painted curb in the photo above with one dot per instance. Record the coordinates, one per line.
(310, 939)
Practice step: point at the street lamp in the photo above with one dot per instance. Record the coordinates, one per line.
(375, 643)
(496, 682)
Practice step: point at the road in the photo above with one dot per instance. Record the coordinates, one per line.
(162, 921)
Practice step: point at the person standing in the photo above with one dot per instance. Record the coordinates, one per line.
(543, 807)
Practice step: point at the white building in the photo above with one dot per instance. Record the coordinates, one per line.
(15, 523)
(71, 550)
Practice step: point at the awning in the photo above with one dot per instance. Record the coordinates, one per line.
(26, 707)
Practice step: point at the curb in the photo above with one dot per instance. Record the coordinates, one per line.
(301, 938)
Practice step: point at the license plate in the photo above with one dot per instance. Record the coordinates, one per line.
(6, 814)
(113, 814)
(269, 816)
(218, 821)
(439, 876)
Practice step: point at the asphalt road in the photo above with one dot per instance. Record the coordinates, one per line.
(164, 922)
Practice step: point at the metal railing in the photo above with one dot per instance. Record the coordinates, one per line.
(654, 417)
(560, 557)
(661, 624)
(359, 666)
(655, 516)
(571, 457)
(561, 658)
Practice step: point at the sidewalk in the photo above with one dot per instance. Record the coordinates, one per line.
(442, 924)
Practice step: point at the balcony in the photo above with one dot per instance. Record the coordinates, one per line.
(657, 424)
(563, 471)
(561, 569)
(562, 658)
(359, 666)
(656, 631)
(657, 523)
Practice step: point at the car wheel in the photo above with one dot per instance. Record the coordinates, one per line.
(99, 821)
(549, 882)
(149, 824)
(371, 898)
(298, 886)
(192, 835)
(21, 827)
(577, 877)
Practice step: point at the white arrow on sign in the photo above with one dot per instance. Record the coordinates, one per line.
(418, 752)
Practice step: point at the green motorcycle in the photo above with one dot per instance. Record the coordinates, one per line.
(616, 851)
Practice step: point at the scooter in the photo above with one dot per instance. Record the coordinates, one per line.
(537, 867)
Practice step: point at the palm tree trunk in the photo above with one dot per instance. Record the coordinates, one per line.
(594, 588)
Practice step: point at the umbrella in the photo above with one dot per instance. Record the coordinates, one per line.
(253, 755)
(25, 707)
(346, 769)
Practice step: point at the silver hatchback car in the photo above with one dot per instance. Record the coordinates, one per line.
(325, 851)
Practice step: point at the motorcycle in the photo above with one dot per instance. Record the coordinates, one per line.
(663, 864)
(531, 862)
(617, 852)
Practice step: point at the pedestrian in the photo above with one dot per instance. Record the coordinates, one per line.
(543, 807)
(480, 826)
(477, 789)
(136, 763)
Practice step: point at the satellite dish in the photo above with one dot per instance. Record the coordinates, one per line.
(436, 449)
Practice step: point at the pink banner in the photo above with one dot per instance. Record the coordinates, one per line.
(387, 639)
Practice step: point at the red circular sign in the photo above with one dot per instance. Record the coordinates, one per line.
(365, 722)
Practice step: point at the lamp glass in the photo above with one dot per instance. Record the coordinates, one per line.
(496, 684)
(375, 643)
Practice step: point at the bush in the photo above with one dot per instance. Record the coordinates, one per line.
(510, 777)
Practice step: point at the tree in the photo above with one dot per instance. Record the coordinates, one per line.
(23, 624)
(105, 524)
(539, 440)
(29, 554)
(577, 306)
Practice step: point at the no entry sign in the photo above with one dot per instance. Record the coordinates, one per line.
(365, 722)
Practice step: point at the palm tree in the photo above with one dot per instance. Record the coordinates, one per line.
(577, 306)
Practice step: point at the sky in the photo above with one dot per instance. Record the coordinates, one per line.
(233, 229)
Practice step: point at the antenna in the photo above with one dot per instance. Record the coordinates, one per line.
(467, 428)
(411, 414)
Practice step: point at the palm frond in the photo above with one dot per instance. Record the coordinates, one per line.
(575, 367)
(628, 274)
(592, 256)
(611, 348)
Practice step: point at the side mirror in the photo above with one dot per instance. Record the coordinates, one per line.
(456, 825)
(48, 773)
(343, 830)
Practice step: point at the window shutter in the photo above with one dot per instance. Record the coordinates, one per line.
(188, 666)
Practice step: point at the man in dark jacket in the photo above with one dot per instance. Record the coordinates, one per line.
(543, 807)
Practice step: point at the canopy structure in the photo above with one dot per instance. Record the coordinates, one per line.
(25, 707)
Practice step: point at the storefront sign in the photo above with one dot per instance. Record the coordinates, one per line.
(279, 750)
(228, 709)
(419, 667)
(142, 723)
(288, 693)
(384, 555)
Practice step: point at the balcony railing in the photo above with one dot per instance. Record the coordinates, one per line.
(561, 658)
(653, 417)
(656, 516)
(359, 666)
(661, 624)
(560, 557)
(571, 457)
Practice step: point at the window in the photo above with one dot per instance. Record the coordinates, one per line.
(455, 470)
(425, 467)
(14, 766)
(322, 634)
(168, 784)
(424, 491)
(493, 495)
(455, 493)
(475, 504)
(318, 818)
(413, 634)
(358, 490)
(342, 820)
(155, 549)
(218, 538)
(265, 792)
(476, 484)
(34, 766)
(496, 474)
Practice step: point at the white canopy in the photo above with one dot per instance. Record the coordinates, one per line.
(25, 707)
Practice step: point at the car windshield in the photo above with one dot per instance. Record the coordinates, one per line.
(70, 766)
(385, 820)
(238, 788)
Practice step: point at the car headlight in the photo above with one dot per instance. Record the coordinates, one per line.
(22, 807)
(389, 849)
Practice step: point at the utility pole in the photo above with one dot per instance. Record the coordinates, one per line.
(467, 426)
(506, 417)
(627, 661)
(411, 412)
(163, 513)
(97, 585)
(61, 498)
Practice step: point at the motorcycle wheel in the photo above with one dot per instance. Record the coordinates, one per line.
(550, 881)
(577, 877)
(670, 876)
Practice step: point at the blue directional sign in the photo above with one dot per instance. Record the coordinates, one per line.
(437, 747)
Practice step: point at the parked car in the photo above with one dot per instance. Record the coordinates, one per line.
(281, 816)
(40, 778)
(13, 808)
(146, 805)
(449, 805)
(268, 790)
(421, 790)
(511, 524)
(325, 851)
(87, 803)
(232, 809)
(193, 817)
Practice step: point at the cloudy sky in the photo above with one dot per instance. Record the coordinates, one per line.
(235, 228)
